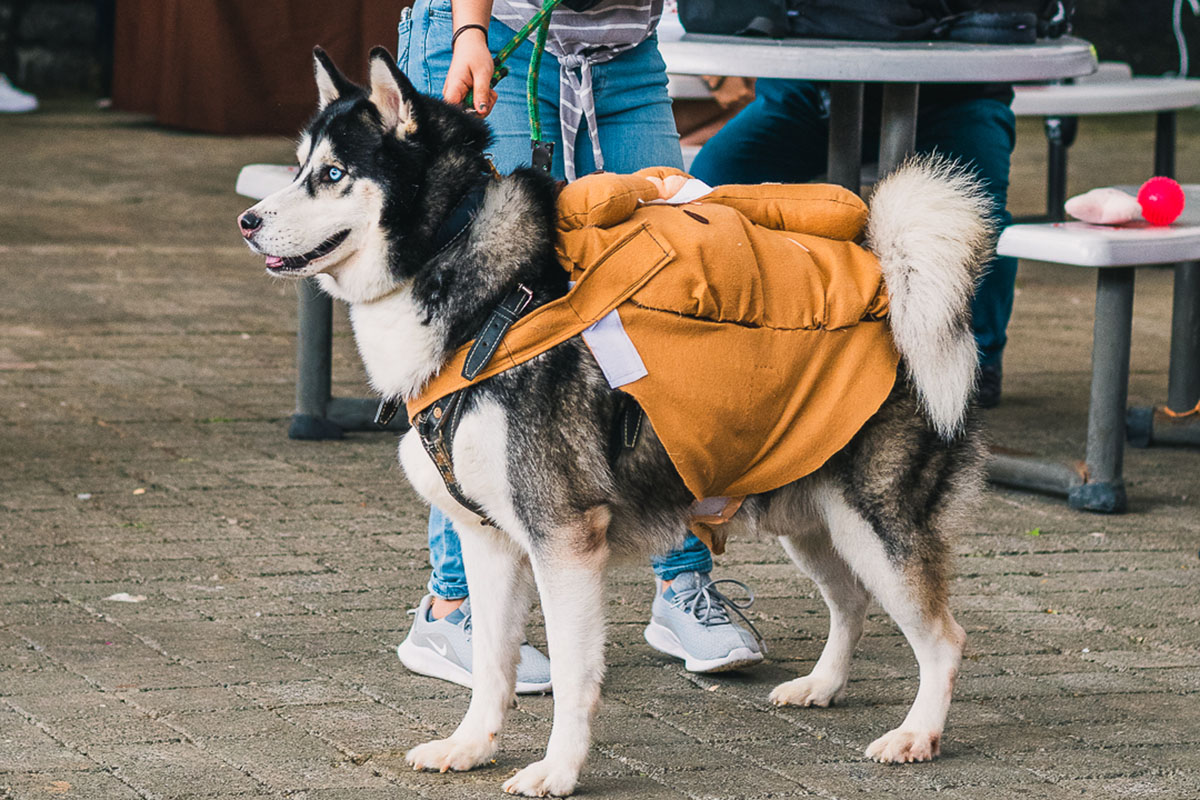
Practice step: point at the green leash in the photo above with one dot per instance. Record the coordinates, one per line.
(542, 150)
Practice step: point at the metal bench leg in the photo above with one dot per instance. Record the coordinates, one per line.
(1104, 490)
(314, 357)
(1099, 486)
(1060, 135)
(1154, 425)
(898, 132)
(845, 135)
(1183, 383)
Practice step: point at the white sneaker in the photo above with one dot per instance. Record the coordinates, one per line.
(441, 648)
(13, 100)
(690, 621)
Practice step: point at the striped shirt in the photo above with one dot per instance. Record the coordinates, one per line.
(579, 39)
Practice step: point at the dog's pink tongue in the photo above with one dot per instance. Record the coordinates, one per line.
(274, 261)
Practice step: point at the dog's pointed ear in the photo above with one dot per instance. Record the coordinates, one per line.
(392, 93)
(331, 83)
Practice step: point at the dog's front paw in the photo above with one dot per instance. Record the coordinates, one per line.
(455, 753)
(811, 690)
(901, 746)
(542, 778)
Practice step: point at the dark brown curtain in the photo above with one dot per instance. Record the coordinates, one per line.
(239, 66)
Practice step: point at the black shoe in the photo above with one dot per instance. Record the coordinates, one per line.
(987, 391)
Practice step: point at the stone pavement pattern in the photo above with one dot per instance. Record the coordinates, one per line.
(146, 373)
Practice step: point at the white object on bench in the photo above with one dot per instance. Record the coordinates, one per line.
(687, 87)
(1104, 206)
(256, 181)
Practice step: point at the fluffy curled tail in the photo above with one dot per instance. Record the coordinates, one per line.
(929, 226)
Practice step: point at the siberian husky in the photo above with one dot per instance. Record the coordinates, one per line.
(383, 172)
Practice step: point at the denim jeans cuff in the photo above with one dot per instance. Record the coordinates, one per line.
(447, 590)
(668, 572)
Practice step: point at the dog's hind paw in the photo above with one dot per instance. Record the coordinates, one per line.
(810, 690)
(901, 746)
(455, 753)
(541, 779)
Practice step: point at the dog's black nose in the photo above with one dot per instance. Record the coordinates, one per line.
(249, 223)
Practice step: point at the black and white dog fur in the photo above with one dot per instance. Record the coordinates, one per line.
(381, 169)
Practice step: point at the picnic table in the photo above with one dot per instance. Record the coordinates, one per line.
(899, 66)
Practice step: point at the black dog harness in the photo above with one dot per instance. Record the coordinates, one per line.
(437, 425)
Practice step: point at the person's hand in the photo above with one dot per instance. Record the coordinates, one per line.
(471, 71)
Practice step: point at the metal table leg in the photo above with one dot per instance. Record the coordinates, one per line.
(845, 135)
(1098, 485)
(898, 132)
(1060, 135)
(1173, 424)
(1164, 144)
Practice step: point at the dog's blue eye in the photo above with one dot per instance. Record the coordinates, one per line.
(334, 174)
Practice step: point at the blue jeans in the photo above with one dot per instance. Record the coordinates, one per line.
(633, 112)
(636, 130)
(783, 136)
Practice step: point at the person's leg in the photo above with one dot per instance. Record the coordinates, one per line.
(633, 114)
(691, 556)
(636, 130)
(782, 136)
(689, 618)
(439, 642)
(12, 99)
(448, 578)
(981, 134)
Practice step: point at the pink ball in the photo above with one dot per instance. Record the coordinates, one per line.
(1161, 200)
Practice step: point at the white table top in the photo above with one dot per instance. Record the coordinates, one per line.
(1085, 245)
(1134, 96)
(876, 62)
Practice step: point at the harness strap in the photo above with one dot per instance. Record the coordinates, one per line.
(436, 427)
(436, 413)
(481, 350)
(498, 323)
(459, 219)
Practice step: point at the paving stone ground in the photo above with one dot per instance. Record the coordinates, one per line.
(146, 377)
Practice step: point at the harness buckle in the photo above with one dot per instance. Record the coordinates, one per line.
(542, 155)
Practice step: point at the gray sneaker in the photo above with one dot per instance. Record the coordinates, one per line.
(691, 621)
(441, 648)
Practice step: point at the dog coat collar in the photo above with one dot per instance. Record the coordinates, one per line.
(461, 215)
